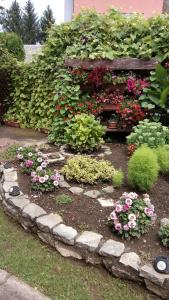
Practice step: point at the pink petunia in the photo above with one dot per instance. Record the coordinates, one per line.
(132, 224)
(118, 226)
(118, 208)
(42, 179)
(126, 227)
(128, 201)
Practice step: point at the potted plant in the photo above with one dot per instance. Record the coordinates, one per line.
(113, 121)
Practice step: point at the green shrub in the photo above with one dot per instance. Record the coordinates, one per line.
(162, 153)
(143, 169)
(164, 235)
(63, 199)
(84, 134)
(149, 133)
(13, 43)
(88, 170)
(118, 178)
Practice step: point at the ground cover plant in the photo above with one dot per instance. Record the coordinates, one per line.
(164, 235)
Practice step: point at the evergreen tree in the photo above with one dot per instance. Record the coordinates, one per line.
(30, 24)
(46, 22)
(11, 19)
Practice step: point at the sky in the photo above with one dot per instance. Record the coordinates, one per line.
(40, 5)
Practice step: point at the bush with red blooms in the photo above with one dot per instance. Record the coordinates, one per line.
(108, 98)
(96, 77)
(136, 86)
(130, 113)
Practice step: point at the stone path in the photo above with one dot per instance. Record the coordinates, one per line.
(10, 135)
(11, 288)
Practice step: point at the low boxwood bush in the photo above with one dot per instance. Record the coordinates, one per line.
(88, 170)
(143, 169)
(84, 134)
(152, 134)
(163, 158)
(164, 235)
(13, 43)
(132, 215)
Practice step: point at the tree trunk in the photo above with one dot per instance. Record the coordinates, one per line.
(165, 6)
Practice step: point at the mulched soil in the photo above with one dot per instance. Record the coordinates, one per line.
(87, 214)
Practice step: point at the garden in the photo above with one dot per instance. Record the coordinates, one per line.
(102, 96)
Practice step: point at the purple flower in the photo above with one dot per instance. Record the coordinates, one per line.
(148, 212)
(126, 207)
(113, 215)
(126, 227)
(28, 163)
(118, 226)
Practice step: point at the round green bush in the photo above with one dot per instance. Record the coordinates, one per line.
(143, 169)
(163, 158)
(84, 134)
(13, 43)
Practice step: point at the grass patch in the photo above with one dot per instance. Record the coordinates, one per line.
(63, 279)
(9, 153)
(63, 199)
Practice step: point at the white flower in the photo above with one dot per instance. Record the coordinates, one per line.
(40, 153)
(132, 224)
(39, 168)
(118, 208)
(132, 195)
(46, 177)
(128, 201)
(22, 165)
(20, 156)
(44, 165)
(56, 183)
(147, 201)
(30, 154)
(132, 217)
(42, 179)
(39, 159)
(20, 148)
(33, 174)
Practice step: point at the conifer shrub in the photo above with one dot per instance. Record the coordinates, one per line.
(143, 169)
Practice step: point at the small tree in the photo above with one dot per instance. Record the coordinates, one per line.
(11, 19)
(46, 22)
(30, 24)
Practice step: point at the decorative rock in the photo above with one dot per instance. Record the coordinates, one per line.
(76, 190)
(112, 249)
(65, 233)
(18, 202)
(92, 194)
(10, 211)
(62, 178)
(106, 202)
(108, 153)
(160, 291)
(108, 189)
(65, 252)
(33, 211)
(164, 222)
(148, 272)
(3, 276)
(10, 176)
(47, 238)
(8, 184)
(101, 155)
(131, 259)
(64, 184)
(89, 240)
(47, 222)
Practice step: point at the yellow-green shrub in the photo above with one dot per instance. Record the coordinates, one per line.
(88, 170)
(163, 158)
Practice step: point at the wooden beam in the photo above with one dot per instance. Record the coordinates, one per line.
(116, 64)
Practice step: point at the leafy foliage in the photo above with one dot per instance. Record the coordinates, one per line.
(63, 199)
(84, 134)
(132, 215)
(13, 44)
(118, 178)
(88, 170)
(152, 134)
(143, 169)
(164, 235)
(45, 180)
(162, 153)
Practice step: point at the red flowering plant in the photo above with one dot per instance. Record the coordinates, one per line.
(135, 86)
(130, 113)
(108, 98)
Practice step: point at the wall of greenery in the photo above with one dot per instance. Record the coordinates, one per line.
(13, 43)
(46, 83)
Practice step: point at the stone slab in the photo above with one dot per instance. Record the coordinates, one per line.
(106, 202)
(10, 176)
(65, 233)
(148, 272)
(131, 259)
(65, 252)
(92, 194)
(18, 202)
(3, 276)
(164, 222)
(108, 189)
(112, 248)
(89, 240)
(33, 211)
(64, 184)
(76, 190)
(8, 184)
(47, 222)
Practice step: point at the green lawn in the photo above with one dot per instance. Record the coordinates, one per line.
(23, 255)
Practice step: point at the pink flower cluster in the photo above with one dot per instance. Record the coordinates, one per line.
(128, 210)
(42, 178)
(136, 86)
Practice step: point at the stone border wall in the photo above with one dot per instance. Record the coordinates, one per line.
(88, 246)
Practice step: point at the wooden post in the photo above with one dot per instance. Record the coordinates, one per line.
(166, 6)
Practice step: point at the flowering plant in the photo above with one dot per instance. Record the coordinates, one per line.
(136, 86)
(30, 159)
(132, 215)
(108, 97)
(44, 180)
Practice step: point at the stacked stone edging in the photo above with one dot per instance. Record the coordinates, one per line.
(88, 246)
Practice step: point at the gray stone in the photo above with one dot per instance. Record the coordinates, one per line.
(10, 211)
(10, 176)
(101, 155)
(18, 202)
(33, 211)
(105, 147)
(8, 184)
(62, 178)
(92, 194)
(47, 238)
(89, 240)
(3, 276)
(93, 259)
(160, 291)
(148, 272)
(106, 202)
(112, 249)
(76, 190)
(65, 252)
(131, 259)
(65, 233)
(64, 184)
(108, 152)
(108, 189)
(46, 223)
(13, 289)
(164, 222)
